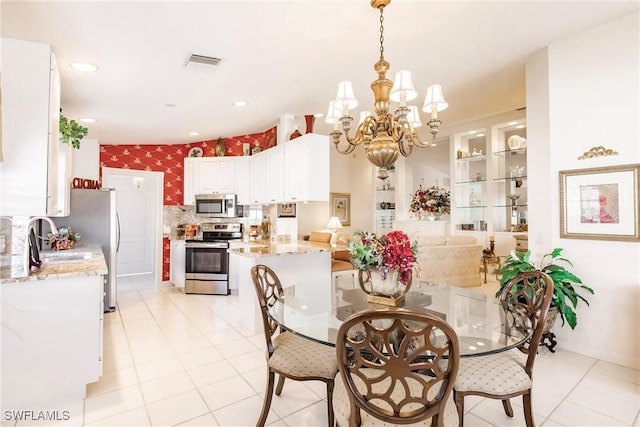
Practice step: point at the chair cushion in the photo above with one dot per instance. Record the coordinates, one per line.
(342, 255)
(498, 374)
(341, 407)
(337, 265)
(319, 237)
(301, 357)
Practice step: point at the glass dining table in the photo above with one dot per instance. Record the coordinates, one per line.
(481, 323)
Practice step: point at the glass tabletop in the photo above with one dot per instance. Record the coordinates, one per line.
(478, 319)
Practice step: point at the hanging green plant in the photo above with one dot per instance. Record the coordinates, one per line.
(71, 132)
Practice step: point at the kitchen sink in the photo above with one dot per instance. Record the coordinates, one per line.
(64, 256)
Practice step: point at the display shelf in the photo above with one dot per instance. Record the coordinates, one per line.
(475, 158)
(510, 206)
(472, 207)
(514, 152)
(481, 181)
(511, 178)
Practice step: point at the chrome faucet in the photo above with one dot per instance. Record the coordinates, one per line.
(30, 224)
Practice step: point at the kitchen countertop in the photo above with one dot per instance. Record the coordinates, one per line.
(82, 260)
(264, 248)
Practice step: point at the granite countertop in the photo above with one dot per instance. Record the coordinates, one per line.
(82, 260)
(264, 248)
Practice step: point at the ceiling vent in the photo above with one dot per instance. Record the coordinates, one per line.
(203, 62)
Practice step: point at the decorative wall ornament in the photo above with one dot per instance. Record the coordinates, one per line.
(598, 151)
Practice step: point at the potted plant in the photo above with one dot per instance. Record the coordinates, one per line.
(71, 132)
(385, 264)
(65, 238)
(566, 285)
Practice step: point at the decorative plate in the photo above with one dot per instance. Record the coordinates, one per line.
(195, 152)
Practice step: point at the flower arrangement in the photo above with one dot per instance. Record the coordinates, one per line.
(432, 199)
(391, 251)
(65, 238)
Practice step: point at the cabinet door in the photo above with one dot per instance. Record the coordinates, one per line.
(274, 174)
(216, 175)
(177, 263)
(307, 169)
(190, 181)
(258, 178)
(30, 116)
(243, 180)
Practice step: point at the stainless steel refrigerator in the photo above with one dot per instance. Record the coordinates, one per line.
(95, 217)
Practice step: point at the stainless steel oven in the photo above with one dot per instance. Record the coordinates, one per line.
(207, 260)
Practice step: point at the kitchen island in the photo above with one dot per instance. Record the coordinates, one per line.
(302, 263)
(52, 325)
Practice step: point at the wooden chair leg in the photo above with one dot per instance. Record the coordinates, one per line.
(459, 399)
(330, 403)
(280, 385)
(506, 403)
(266, 405)
(528, 414)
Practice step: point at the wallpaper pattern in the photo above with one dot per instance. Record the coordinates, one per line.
(169, 159)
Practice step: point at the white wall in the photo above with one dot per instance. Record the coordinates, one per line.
(86, 160)
(583, 92)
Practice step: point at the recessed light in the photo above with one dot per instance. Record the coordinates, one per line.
(241, 103)
(87, 120)
(512, 123)
(473, 132)
(194, 133)
(84, 67)
(318, 115)
(480, 134)
(170, 105)
(520, 127)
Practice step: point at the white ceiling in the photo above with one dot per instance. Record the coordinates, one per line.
(284, 57)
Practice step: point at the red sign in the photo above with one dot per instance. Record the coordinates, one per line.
(91, 184)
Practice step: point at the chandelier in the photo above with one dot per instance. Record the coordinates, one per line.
(385, 135)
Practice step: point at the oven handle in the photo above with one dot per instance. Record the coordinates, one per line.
(207, 245)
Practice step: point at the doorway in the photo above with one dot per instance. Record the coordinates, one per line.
(139, 201)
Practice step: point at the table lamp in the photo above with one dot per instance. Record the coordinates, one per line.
(334, 224)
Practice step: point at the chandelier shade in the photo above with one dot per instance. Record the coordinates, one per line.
(385, 134)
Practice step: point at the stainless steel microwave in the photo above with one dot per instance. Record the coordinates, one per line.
(216, 205)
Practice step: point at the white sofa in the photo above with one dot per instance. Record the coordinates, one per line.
(453, 260)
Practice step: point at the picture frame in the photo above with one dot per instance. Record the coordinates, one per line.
(246, 149)
(286, 210)
(600, 203)
(340, 206)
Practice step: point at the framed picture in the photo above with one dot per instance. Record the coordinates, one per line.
(246, 149)
(340, 205)
(600, 203)
(286, 210)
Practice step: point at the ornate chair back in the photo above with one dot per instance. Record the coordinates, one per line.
(397, 365)
(526, 299)
(269, 290)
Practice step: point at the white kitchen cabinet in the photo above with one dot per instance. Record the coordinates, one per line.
(208, 175)
(177, 263)
(243, 180)
(54, 330)
(35, 173)
(267, 176)
(306, 171)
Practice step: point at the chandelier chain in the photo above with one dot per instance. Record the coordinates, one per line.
(381, 34)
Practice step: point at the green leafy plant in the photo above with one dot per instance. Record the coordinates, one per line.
(71, 132)
(565, 284)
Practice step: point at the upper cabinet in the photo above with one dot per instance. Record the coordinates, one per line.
(35, 177)
(306, 172)
(208, 175)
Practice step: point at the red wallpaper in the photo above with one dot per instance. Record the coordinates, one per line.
(169, 158)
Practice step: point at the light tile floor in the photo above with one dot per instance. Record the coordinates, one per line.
(176, 359)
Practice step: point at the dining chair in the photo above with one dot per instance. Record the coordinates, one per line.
(525, 300)
(396, 366)
(288, 355)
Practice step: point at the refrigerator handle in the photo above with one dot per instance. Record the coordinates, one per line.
(118, 228)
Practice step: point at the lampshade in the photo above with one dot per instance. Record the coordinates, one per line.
(345, 96)
(434, 98)
(333, 114)
(403, 85)
(334, 223)
(413, 117)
